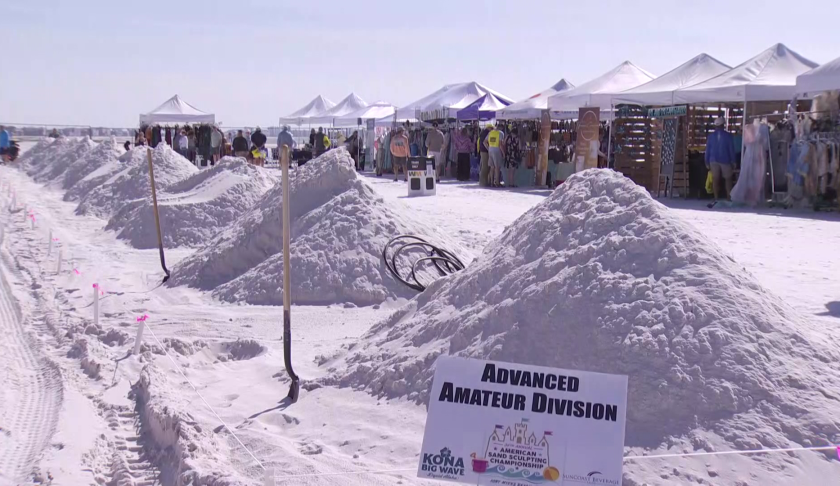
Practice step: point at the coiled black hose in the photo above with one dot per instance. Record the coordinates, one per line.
(444, 261)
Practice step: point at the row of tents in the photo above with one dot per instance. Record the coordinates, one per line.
(776, 74)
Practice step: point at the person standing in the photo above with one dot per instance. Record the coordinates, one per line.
(399, 153)
(463, 148)
(312, 138)
(434, 147)
(720, 158)
(353, 147)
(321, 142)
(184, 144)
(484, 169)
(140, 140)
(240, 145)
(5, 143)
(258, 139)
(285, 138)
(495, 148)
(215, 143)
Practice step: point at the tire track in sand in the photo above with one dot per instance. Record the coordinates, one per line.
(31, 392)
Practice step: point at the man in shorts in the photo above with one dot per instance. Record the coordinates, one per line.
(720, 158)
(399, 153)
(495, 143)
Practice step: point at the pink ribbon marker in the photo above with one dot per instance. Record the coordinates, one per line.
(143, 318)
(838, 452)
(76, 270)
(55, 239)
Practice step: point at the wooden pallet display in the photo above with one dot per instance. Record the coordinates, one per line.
(633, 146)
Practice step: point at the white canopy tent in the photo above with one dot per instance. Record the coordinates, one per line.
(349, 104)
(380, 109)
(531, 108)
(314, 109)
(660, 91)
(442, 103)
(176, 111)
(600, 91)
(817, 80)
(769, 76)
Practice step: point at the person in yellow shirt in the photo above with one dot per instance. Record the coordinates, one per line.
(495, 147)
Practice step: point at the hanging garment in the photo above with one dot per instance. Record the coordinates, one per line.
(749, 189)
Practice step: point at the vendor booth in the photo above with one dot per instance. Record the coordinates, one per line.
(640, 133)
(757, 91)
(813, 168)
(176, 111)
(595, 96)
(165, 123)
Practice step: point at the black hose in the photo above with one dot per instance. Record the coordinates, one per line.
(444, 261)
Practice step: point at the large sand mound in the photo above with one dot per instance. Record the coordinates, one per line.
(133, 182)
(34, 158)
(195, 209)
(106, 170)
(601, 277)
(50, 158)
(104, 153)
(339, 227)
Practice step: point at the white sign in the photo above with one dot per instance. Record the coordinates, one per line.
(495, 423)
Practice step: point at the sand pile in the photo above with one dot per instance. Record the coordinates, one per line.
(65, 152)
(339, 227)
(601, 277)
(106, 168)
(31, 160)
(104, 153)
(133, 183)
(195, 209)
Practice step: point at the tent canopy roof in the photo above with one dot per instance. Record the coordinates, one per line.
(380, 109)
(176, 110)
(660, 91)
(483, 108)
(348, 105)
(599, 91)
(823, 78)
(530, 108)
(769, 76)
(315, 108)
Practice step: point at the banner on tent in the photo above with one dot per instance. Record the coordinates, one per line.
(588, 142)
(518, 425)
(668, 111)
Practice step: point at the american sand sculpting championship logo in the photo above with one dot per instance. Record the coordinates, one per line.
(517, 454)
(443, 465)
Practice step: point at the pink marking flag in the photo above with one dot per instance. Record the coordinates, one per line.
(143, 318)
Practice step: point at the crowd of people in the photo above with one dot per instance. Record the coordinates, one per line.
(497, 150)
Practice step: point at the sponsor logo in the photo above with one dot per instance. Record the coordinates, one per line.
(593, 477)
(442, 465)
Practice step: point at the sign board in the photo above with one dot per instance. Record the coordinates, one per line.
(588, 142)
(668, 111)
(494, 423)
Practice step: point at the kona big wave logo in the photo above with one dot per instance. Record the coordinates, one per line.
(442, 465)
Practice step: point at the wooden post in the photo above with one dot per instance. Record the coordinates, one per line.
(294, 390)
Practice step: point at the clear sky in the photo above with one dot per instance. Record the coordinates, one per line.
(98, 62)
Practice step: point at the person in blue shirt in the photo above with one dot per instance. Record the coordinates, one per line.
(720, 158)
(5, 143)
